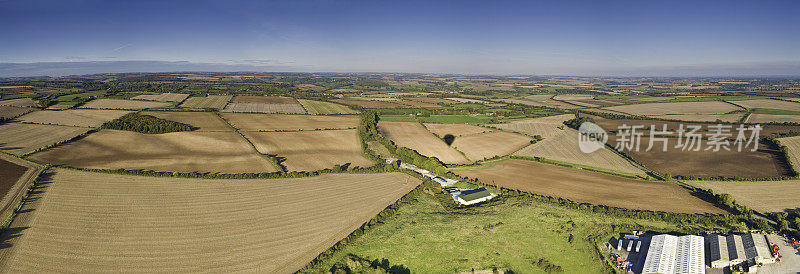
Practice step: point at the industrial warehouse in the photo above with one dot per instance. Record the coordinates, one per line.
(675, 254)
(713, 253)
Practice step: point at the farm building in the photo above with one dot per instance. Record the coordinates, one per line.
(736, 249)
(472, 196)
(675, 254)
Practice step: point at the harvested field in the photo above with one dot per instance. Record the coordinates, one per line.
(590, 187)
(122, 104)
(73, 117)
(520, 102)
(264, 99)
(570, 97)
(612, 126)
(793, 146)
(310, 87)
(369, 104)
(215, 152)
(265, 108)
(766, 118)
(204, 121)
(483, 146)
(20, 139)
(415, 136)
(766, 196)
(564, 148)
(583, 103)
(547, 99)
(194, 225)
(764, 163)
(211, 101)
(312, 150)
(163, 97)
(438, 101)
(59, 107)
(730, 118)
(22, 102)
(712, 107)
(276, 122)
(545, 127)
(456, 129)
(16, 176)
(10, 112)
(769, 104)
(317, 107)
(417, 104)
(466, 100)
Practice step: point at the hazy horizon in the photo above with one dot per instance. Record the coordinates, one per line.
(581, 38)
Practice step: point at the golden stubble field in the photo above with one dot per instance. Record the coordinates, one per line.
(590, 187)
(415, 136)
(564, 148)
(215, 152)
(122, 104)
(481, 146)
(89, 222)
(276, 122)
(20, 139)
(204, 121)
(763, 196)
(73, 117)
(312, 150)
(162, 97)
(712, 107)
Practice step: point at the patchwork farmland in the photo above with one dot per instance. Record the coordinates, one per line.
(415, 136)
(72, 117)
(10, 112)
(265, 108)
(312, 150)
(21, 139)
(155, 224)
(545, 127)
(769, 104)
(263, 99)
(564, 148)
(275, 122)
(764, 196)
(122, 104)
(318, 107)
(22, 102)
(456, 129)
(482, 146)
(210, 101)
(712, 107)
(203, 121)
(214, 152)
(162, 97)
(589, 187)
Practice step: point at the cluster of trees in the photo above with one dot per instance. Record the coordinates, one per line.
(547, 266)
(355, 264)
(786, 220)
(145, 124)
(577, 122)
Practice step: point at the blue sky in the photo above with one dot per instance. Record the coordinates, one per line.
(473, 37)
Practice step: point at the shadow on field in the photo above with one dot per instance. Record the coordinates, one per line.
(36, 192)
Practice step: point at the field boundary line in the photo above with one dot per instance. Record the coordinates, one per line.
(274, 160)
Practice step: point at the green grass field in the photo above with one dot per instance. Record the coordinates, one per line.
(398, 118)
(457, 119)
(511, 233)
(773, 111)
(317, 107)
